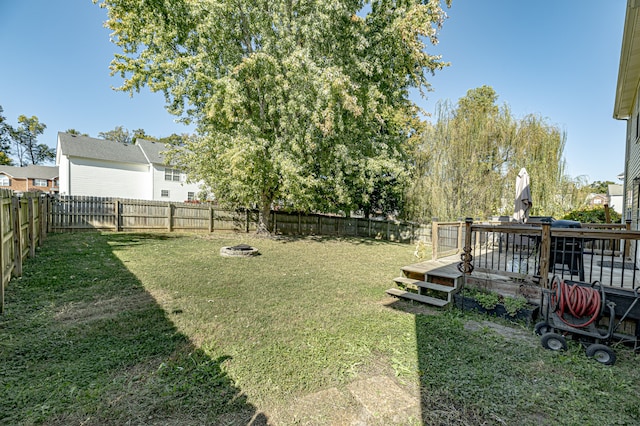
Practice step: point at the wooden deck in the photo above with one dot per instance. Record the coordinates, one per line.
(491, 274)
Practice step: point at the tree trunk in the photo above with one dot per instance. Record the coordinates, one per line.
(264, 227)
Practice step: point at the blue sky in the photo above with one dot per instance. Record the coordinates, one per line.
(555, 58)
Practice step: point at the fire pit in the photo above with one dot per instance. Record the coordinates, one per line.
(241, 250)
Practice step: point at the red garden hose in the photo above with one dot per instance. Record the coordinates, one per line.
(579, 301)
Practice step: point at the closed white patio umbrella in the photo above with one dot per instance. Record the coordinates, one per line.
(523, 197)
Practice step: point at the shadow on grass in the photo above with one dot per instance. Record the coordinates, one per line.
(82, 342)
(438, 405)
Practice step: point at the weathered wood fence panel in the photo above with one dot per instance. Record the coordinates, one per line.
(23, 227)
(91, 213)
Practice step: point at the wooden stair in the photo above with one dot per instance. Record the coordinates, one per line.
(418, 298)
(441, 283)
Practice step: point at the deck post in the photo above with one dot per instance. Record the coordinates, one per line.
(434, 238)
(627, 242)
(545, 254)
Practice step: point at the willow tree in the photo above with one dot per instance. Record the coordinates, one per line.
(470, 156)
(297, 101)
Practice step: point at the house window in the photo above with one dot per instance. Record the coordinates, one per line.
(4, 181)
(164, 193)
(597, 201)
(40, 182)
(191, 196)
(172, 175)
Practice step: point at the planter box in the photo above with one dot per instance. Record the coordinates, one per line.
(528, 313)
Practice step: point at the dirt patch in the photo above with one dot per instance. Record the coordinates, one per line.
(508, 333)
(83, 312)
(381, 397)
(377, 400)
(327, 407)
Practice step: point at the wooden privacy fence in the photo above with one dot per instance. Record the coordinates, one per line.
(23, 226)
(75, 213)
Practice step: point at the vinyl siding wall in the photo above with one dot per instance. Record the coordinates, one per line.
(178, 191)
(63, 174)
(107, 179)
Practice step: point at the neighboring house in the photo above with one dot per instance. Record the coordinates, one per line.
(627, 107)
(615, 194)
(29, 178)
(597, 200)
(102, 168)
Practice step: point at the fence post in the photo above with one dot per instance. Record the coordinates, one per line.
(246, 220)
(3, 264)
(434, 238)
(17, 249)
(48, 218)
(116, 211)
(460, 228)
(210, 218)
(545, 254)
(170, 217)
(42, 207)
(275, 222)
(31, 226)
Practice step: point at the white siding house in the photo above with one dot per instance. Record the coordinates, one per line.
(168, 183)
(627, 107)
(102, 168)
(616, 197)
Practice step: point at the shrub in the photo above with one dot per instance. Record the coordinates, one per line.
(593, 215)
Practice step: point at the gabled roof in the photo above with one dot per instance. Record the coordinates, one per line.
(30, 172)
(615, 190)
(629, 70)
(99, 149)
(154, 151)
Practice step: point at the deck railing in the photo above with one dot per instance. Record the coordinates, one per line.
(446, 238)
(604, 253)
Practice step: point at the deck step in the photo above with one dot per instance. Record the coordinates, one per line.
(431, 274)
(418, 298)
(415, 271)
(444, 274)
(423, 284)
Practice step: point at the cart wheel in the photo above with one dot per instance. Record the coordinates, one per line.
(554, 342)
(542, 328)
(601, 353)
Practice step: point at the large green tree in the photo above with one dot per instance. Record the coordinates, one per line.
(468, 160)
(300, 102)
(5, 140)
(25, 139)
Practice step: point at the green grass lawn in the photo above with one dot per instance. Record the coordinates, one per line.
(160, 329)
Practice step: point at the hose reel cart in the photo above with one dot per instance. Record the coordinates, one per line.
(590, 313)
